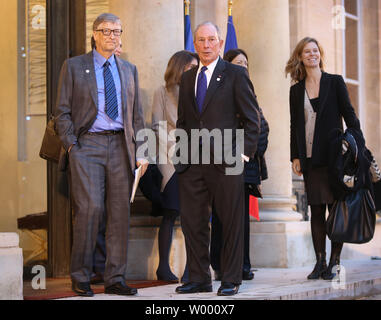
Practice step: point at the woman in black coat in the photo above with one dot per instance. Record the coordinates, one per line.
(254, 172)
(318, 102)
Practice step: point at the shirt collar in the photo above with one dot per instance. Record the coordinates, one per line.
(100, 60)
(210, 67)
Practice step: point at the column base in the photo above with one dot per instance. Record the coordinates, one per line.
(11, 267)
(281, 244)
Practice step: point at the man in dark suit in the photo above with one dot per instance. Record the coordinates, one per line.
(216, 96)
(98, 116)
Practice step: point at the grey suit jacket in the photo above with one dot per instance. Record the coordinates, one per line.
(77, 102)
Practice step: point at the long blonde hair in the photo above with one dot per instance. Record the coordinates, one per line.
(295, 66)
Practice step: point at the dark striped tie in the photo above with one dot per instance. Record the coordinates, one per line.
(111, 100)
(201, 88)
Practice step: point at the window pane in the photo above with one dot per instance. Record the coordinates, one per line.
(354, 96)
(351, 49)
(351, 6)
(36, 62)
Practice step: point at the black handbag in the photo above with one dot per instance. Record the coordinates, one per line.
(353, 218)
(254, 190)
(377, 195)
(51, 143)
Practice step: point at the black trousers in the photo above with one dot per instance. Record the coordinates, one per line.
(200, 187)
(216, 238)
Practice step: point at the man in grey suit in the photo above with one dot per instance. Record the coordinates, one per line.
(98, 116)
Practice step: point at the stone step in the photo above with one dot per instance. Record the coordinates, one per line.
(361, 278)
(11, 267)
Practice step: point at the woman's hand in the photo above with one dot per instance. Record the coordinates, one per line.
(296, 167)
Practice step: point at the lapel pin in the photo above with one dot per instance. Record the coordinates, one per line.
(87, 71)
(218, 79)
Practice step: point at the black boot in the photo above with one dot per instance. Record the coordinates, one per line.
(320, 267)
(328, 274)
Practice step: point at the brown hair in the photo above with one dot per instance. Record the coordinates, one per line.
(176, 65)
(295, 65)
(232, 53)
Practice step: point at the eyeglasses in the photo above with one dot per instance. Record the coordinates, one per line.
(107, 32)
(212, 41)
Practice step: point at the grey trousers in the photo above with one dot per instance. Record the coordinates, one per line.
(101, 179)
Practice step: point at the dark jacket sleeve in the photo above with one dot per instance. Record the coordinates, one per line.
(248, 110)
(294, 152)
(346, 108)
(263, 137)
(138, 121)
(63, 110)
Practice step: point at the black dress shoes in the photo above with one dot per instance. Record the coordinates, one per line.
(120, 288)
(194, 287)
(228, 289)
(247, 275)
(82, 288)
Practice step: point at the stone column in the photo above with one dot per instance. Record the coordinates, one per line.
(280, 239)
(152, 32)
(215, 11)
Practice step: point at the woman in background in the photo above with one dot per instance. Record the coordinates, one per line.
(164, 110)
(318, 102)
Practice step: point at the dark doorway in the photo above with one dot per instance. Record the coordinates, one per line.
(66, 37)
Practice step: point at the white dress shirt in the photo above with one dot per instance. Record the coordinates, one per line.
(208, 74)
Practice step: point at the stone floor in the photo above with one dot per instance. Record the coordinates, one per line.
(359, 280)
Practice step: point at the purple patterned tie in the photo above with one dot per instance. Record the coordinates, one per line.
(201, 88)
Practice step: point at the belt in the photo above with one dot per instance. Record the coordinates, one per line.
(105, 132)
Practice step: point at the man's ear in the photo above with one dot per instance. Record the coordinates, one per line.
(95, 36)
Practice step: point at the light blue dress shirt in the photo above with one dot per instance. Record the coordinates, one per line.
(103, 122)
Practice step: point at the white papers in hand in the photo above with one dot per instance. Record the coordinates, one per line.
(138, 174)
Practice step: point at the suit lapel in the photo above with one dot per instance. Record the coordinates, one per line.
(91, 79)
(127, 85)
(192, 90)
(215, 82)
(323, 92)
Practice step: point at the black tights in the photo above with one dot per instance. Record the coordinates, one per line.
(319, 232)
(165, 242)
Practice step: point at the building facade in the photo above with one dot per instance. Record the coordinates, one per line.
(268, 30)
